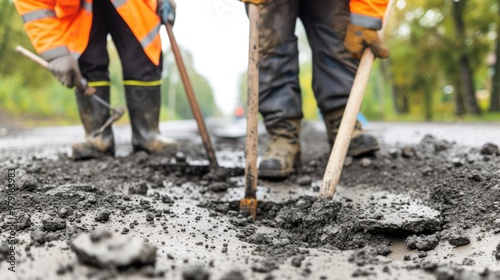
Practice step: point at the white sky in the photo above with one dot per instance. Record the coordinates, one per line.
(216, 32)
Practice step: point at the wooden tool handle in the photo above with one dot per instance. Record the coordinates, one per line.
(251, 150)
(35, 58)
(343, 140)
(40, 61)
(193, 103)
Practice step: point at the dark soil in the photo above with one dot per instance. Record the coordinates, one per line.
(55, 197)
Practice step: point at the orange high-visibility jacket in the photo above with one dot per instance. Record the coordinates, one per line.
(368, 13)
(58, 27)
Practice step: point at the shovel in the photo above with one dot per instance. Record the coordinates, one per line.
(343, 140)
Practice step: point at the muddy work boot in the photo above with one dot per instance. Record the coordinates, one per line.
(362, 143)
(144, 109)
(93, 115)
(282, 157)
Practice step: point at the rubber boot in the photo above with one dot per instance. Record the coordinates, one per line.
(362, 143)
(144, 109)
(93, 115)
(282, 157)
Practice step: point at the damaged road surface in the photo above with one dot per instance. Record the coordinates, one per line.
(418, 210)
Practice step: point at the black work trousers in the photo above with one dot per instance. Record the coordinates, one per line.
(334, 68)
(94, 61)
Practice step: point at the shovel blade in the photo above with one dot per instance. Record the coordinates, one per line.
(248, 206)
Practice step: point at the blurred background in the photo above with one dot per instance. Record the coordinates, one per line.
(443, 66)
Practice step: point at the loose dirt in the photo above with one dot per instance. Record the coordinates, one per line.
(424, 211)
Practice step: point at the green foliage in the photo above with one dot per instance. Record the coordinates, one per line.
(31, 93)
(422, 80)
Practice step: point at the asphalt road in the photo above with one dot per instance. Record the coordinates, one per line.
(60, 138)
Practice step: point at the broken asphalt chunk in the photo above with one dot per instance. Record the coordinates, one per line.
(113, 250)
(490, 149)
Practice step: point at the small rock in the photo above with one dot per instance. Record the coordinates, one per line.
(218, 187)
(383, 250)
(422, 254)
(304, 181)
(113, 249)
(468, 261)
(459, 240)
(233, 275)
(445, 273)
(457, 162)
(364, 256)
(366, 162)
(64, 212)
(362, 273)
(166, 199)
(426, 171)
(61, 270)
(140, 188)
(23, 221)
(297, 261)
(490, 149)
(428, 139)
(148, 271)
(180, 157)
(442, 145)
(30, 183)
(475, 176)
(393, 152)
(422, 242)
(53, 224)
(4, 251)
(408, 152)
(38, 237)
(195, 273)
(103, 216)
(263, 266)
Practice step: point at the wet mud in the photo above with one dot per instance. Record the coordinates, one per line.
(424, 211)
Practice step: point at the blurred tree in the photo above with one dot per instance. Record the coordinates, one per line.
(466, 72)
(30, 92)
(495, 84)
(439, 43)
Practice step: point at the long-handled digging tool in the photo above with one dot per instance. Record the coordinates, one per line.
(89, 91)
(248, 204)
(343, 140)
(193, 103)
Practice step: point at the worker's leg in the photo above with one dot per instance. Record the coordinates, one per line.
(279, 91)
(94, 67)
(333, 67)
(142, 80)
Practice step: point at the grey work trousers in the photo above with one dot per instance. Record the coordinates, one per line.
(334, 68)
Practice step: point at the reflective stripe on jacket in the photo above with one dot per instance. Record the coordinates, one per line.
(368, 13)
(58, 27)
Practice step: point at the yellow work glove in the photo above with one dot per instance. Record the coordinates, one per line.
(359, 37)
(256, 2)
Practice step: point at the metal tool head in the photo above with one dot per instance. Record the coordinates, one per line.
(248, 206)
(117, 114)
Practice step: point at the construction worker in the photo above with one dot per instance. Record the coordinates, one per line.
(72, 36)
(338, 32)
